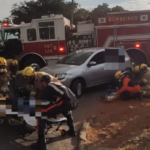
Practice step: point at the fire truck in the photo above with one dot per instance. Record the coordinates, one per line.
(40, 42)
(129, 30)
(50, 38)
(36, 42)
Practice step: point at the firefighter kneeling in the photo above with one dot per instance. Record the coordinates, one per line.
(34, 84)
(128, 88)
(144, 79)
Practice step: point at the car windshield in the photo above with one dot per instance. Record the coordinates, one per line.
(75, 58)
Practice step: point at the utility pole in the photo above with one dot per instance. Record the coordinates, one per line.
(72, 11)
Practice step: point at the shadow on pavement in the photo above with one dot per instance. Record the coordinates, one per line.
(8, 136)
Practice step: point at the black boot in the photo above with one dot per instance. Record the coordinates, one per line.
(71, 133)
(70, 124)
(40, 144)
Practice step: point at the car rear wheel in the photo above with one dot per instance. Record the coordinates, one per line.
(77, 88)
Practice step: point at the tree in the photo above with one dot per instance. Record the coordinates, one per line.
(102, 10)
(118, 9)
(81, 14)
(26, 11)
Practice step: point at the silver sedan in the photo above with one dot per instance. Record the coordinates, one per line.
(84, 68)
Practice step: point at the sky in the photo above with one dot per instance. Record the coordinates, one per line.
(6, 5)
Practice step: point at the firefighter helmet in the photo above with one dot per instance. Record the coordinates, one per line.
(14, 62)
(143, 66)
(3, 61)
(28, 72)
(136, 69)
(118, 74)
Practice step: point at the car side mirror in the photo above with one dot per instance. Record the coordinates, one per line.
(92, 63)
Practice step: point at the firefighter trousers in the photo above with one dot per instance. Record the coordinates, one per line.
(146, 89)
(53, 111)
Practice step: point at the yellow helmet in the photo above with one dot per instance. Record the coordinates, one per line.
(118, 74)
(28, 72)
(142, 66)
(14, 62)
(136, 68)
(3, 61)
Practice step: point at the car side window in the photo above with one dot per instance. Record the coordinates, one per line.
(99, 58)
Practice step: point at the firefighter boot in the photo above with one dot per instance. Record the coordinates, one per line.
(71, 130)
(40, 144)
(71, 133)
(140, 95)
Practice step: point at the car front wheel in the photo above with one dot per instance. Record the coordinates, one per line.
(77, 88)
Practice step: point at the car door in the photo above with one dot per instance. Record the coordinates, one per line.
(95, 74)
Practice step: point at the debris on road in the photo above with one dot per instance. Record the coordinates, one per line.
(125, 126)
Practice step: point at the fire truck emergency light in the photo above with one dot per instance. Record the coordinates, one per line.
(137, 45)
(5, 24)
(61, 49)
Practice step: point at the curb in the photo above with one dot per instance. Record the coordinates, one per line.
(82, 136)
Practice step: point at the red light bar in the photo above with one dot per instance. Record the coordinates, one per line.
(5, 24)
(137, 45)
(61, 49)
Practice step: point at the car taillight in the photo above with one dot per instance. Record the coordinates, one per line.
(61, 49)
(137, 45)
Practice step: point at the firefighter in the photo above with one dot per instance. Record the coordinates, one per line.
(4, 77)
(128, 86)
(137, 73)
(145, 80)
(59, 102)
(12, 66)
(34, 84)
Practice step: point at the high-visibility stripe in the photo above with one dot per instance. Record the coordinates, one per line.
(45, 103)
(56, 88)
(51, 107)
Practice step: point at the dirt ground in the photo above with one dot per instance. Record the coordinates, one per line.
(121, 125)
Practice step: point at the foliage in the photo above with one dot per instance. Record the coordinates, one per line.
(26, 11)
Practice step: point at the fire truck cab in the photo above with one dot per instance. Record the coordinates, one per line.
(37, 42)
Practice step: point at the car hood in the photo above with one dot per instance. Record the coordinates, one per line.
(58, 68)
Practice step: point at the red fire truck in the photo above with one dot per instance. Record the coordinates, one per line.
(50, 37)
(130, 30)
(34, 43)
(43, 40)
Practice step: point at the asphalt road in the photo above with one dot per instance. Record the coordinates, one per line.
(11, 140)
